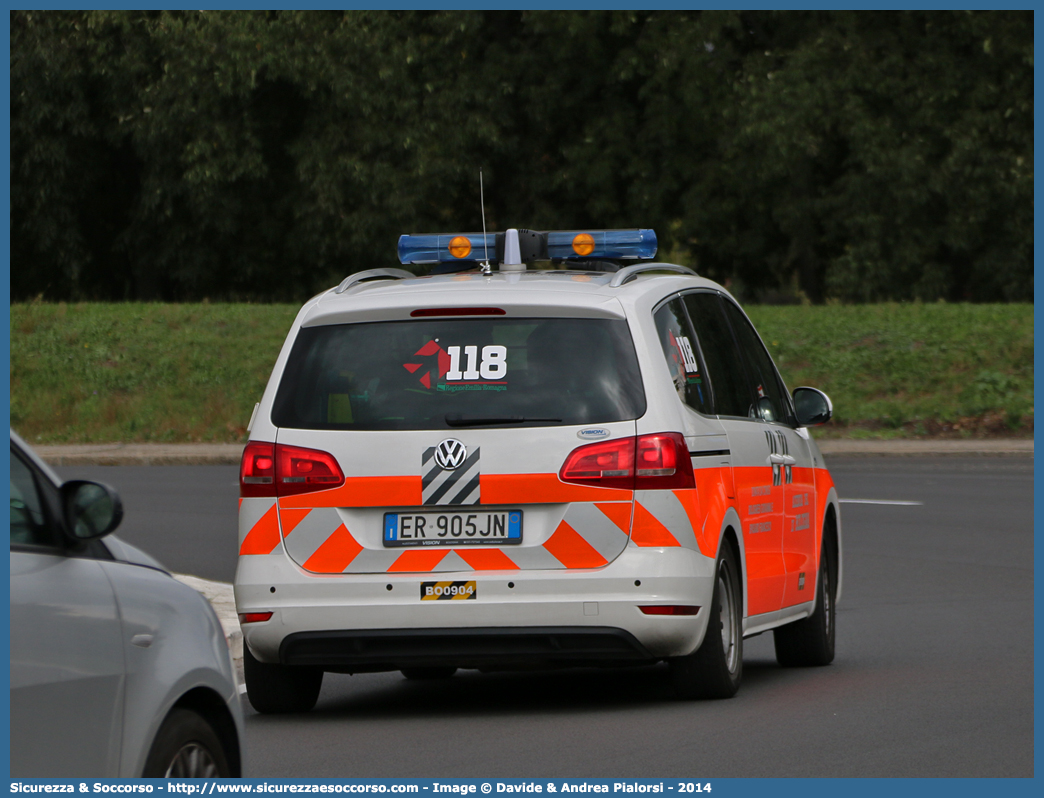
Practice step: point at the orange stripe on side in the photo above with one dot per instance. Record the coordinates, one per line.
(289, 519)
(335, 554)
(264, 537)
(570, 549)
(487, 559)
(362, 492)
(240, 502)
(619, 513)
(418, 560)
(648, 531)
(713, 505)
(691, 503)
(542, 489)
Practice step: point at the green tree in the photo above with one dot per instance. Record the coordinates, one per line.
(265, 155)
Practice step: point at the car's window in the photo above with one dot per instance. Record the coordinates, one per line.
(771, 401)
(723, 362)
(28, 522)
(415, 374)
(672, 328)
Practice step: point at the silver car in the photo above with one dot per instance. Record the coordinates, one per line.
(117, 669)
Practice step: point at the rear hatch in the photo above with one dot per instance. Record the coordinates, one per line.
(439, 444)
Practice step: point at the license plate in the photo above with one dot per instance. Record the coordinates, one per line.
(490, 528)
(448, 591)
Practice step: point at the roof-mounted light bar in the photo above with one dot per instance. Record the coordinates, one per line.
(636, 244)
(567, 245)
(446, 247)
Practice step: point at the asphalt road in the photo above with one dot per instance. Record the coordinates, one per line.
(933, 675)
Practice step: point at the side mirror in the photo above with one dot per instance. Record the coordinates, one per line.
(813, 407)
(91, 509)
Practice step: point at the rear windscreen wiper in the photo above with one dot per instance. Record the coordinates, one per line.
(457, 420)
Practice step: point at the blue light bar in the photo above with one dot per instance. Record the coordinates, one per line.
(608, 244)
(435, 248)
(635, 244)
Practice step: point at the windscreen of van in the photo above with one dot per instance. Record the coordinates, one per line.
(442, 374)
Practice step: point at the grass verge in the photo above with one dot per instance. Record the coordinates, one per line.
(85, 373)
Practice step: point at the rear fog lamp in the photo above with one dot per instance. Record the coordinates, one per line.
(670, 609)
(254, 617)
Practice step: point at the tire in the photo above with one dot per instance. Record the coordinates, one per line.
(810, 641)
(186, 747)
(429, 673)
(715, 669)
(276, 689)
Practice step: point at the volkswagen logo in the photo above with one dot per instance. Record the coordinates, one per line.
(450, 454)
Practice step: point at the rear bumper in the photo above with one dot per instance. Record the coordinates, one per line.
(364, 622)
(359, 651)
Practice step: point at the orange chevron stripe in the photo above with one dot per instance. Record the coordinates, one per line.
(362, 492)
(335, 554)
(487, 559)
(542, 489)
(648, 531)
(690, 501)
(570, 549)
(619, 513)
(264, 537)
(418, 560)
(289, 519)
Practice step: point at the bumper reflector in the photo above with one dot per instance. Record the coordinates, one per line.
(670, 609)
(254, 617)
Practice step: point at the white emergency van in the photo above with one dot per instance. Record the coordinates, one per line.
(494, 467)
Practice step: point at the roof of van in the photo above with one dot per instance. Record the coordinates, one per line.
(536, 293)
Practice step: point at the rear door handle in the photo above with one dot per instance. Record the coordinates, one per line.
(781, 459)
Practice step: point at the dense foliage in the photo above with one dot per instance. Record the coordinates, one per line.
(264, 155)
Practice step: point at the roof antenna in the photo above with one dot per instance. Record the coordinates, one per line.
(486, 269)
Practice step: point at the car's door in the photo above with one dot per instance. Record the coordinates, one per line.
(791, 461)
(67, 664)
(705, 438)
(758, 491)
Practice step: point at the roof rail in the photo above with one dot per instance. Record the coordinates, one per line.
(358, 277)
(629, 273)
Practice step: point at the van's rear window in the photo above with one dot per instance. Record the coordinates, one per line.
(447, 373)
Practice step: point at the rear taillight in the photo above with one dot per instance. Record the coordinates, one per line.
(278, 470)
(663, 462)
(303, 470)
(650, 462)
(608, 464)
(257, 470)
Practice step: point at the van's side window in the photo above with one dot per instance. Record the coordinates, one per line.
(771, 399)
(723, 358)
(679, 348)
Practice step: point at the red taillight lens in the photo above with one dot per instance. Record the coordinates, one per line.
(663, 462)
(254, 617)
(650, 462)
(670, 609)
(257, 470)
(304, 470)
(607, 464)
(277, 470)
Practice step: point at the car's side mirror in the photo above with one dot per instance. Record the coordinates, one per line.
(813, 407)
(91, 509)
